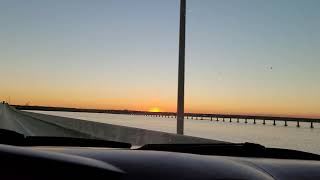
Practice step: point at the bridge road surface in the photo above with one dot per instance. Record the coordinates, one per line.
(12, 120)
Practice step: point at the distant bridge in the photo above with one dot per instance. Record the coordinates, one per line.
(233, 117)
(195, 116)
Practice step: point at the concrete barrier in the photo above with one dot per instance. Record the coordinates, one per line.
(135, 136)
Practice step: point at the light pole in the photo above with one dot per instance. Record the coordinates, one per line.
(182, 38)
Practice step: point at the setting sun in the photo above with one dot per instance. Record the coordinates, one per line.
(154, 109)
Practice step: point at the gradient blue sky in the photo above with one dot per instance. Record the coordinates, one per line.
(124, 54)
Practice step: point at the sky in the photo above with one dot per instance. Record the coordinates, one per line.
(242, 56)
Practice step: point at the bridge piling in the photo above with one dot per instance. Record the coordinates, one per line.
(254, 121)
(285, 123)
(264, 122)
(298, 124)
(246, 121)
(311, 124)
(230, 120)
(274, 122)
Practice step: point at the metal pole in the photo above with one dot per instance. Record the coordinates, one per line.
(182, 38)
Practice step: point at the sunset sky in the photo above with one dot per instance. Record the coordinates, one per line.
(242, 56)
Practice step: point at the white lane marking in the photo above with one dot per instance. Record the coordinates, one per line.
(24, 128)
(16, 120)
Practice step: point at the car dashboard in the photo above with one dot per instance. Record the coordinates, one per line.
(110, 163)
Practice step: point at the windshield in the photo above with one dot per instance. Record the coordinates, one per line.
(248, 71)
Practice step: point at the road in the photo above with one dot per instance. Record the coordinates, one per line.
(15, 121)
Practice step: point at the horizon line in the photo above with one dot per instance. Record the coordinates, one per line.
(146, 111)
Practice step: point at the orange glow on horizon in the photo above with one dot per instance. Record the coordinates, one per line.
(154, 109)
(75, 100)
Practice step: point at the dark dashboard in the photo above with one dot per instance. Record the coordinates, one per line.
(111, 163)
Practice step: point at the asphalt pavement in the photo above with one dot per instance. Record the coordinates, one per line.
(12, 119)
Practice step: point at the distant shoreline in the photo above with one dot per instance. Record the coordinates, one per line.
(113, 111)
(67, 109)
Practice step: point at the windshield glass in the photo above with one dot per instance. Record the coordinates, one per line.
(251, 70)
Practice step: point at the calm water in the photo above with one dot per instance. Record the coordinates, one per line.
(303, 138)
